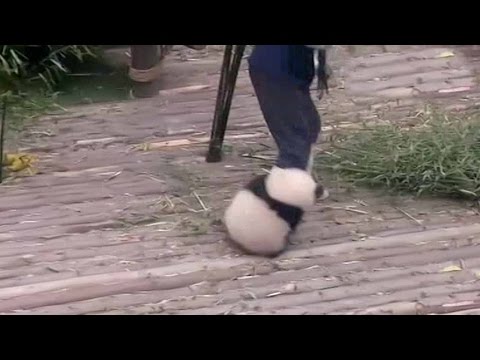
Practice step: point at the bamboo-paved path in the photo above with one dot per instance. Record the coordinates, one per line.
(124, 216)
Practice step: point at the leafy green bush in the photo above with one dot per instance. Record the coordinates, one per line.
(46, 63)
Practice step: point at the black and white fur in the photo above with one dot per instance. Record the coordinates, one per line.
(264, 214)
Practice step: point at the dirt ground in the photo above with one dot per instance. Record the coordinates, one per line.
(124, 216)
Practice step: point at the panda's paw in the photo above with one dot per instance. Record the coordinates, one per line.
(321, 193)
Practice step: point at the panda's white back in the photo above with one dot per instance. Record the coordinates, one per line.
(254, 226)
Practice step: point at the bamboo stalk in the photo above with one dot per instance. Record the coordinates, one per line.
(441, 234)
(112, 278)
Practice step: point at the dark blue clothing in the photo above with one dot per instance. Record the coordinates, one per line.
(281, 76)
(279, 61)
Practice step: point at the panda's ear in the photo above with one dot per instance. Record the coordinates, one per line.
(293, 187)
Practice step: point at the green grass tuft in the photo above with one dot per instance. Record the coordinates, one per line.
(440, 156)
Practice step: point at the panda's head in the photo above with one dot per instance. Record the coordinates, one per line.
(294, 187)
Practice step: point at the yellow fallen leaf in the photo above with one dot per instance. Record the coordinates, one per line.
(17, 165)
(451, 269)
(19, 162)
(8, 159)
(445, 54)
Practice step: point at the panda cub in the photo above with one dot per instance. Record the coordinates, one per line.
(263, 215)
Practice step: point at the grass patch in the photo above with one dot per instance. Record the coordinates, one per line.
(93, 82)
(24, 107)
(440, 156)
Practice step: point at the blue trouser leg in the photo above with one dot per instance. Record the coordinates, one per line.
(291, 117)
